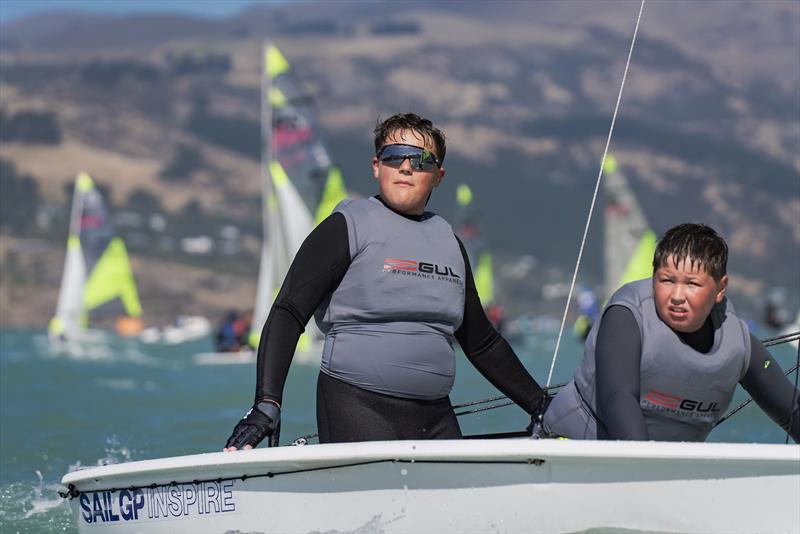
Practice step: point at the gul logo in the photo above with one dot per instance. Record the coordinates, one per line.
(680, 403)
(394, 264)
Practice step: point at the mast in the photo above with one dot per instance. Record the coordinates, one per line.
(266, 269)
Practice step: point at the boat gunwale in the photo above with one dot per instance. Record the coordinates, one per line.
(310, 457)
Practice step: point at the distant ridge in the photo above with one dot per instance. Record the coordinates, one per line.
(163, 110)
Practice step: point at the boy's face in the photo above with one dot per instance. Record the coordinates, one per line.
(685, 294)
(406, 189)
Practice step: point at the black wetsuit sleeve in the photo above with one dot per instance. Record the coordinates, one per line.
(618, 356)
(772, 390)
(316, 271)
(490, 353)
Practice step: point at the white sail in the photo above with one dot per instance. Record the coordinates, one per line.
(629, 241)
(628, 245)
(287, 217)
(70, 316)
(296, 221)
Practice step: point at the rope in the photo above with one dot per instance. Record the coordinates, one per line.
(794, 396)
(73, 492)
(769, 342)
(594, 197)
(785, 338)
(748, 401)
(502, 397)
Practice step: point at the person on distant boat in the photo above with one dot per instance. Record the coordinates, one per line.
(775, 314)
(588, 308)
(496, 315)
(226, 333)
(241, 329)
(392, 286)
(664, 359)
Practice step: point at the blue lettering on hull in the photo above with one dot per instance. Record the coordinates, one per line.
(181, 500)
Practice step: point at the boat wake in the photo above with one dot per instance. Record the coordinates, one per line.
(374, 526)
(107, 350)
(34, 507)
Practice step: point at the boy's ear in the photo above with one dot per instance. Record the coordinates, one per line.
(722, 288)
(375, 164)
(439, 177)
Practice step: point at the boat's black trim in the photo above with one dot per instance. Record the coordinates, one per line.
(73, 492)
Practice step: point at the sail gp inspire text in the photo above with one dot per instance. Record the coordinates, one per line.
(180, 500)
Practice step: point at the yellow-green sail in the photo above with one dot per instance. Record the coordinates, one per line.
(482, 270)
(484, 278)
(629, 241)
(301, 186)
(640, 264)
(112, 278)
(333, 194)
(96, 269)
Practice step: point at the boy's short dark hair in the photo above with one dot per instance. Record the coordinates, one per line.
(696, 242)
(415, 123)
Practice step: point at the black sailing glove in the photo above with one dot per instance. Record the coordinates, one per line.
(262, 420)
(537, 416)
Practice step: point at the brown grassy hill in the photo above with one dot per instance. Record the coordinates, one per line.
(167, 109)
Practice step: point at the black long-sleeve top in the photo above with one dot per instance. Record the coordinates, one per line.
(618, 361)
(317, 270)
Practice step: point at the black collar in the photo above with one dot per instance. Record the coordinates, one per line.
(702, 339)
(409, 217)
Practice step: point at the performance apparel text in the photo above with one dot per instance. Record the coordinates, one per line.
(674, 404)
(421, 269)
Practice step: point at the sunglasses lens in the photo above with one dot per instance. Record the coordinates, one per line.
(420, 159)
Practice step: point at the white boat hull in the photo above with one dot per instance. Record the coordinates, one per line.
(311, 356)
(186, 328)
(225, 358)
(450, 486)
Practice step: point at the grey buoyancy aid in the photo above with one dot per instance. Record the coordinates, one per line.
(389, 324)
(683, 392)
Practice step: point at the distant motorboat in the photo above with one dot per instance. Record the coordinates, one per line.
(310, 354)
(186, 328)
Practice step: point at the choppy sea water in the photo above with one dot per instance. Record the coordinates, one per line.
(121, 400)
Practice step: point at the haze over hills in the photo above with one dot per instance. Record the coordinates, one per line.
(164, 112)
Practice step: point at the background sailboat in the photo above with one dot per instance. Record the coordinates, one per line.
(300, 188)
(467, 227)
(96, 269)
(629, 241)
(628, 244)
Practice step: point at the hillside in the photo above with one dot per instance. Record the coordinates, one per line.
(164, 113)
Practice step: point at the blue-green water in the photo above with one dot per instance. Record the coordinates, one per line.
(124, 401)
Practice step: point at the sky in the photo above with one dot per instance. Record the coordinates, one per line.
(11, 10)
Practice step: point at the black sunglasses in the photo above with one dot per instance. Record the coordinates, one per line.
(421, 159)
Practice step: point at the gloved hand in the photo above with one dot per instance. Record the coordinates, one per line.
(262, 420)
(535, 427)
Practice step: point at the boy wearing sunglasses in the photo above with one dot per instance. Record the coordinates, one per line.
(390, 286)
